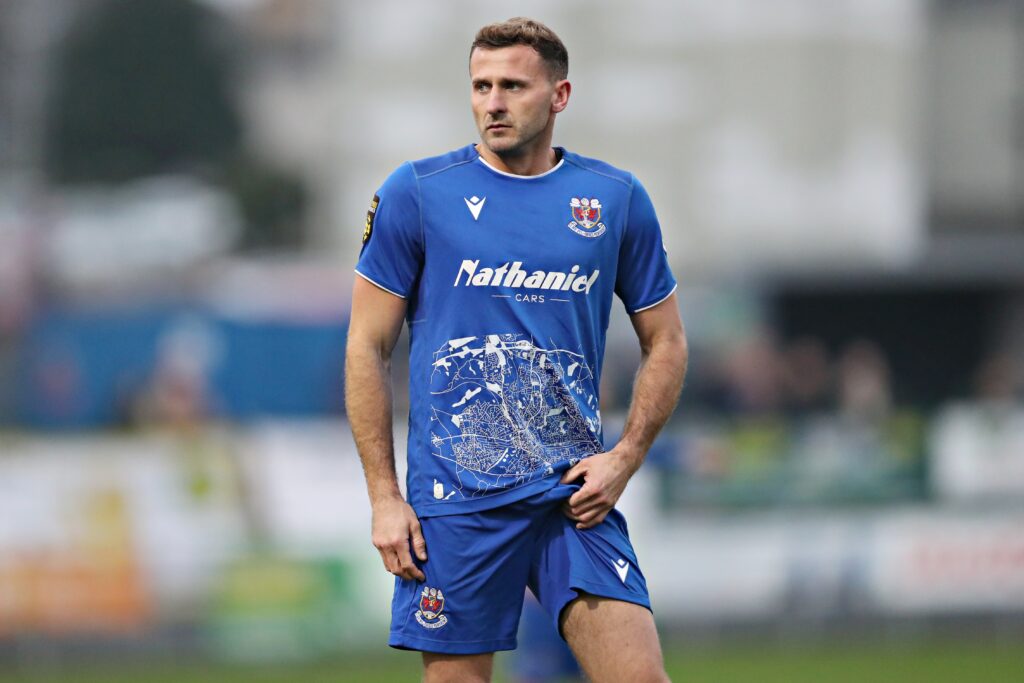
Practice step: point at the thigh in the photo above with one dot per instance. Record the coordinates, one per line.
(476, 572)
(598, 561)
(613, 640)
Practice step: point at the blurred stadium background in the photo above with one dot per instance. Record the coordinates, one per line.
(840, 495)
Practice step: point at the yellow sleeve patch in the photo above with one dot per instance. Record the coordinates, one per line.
(368, 230)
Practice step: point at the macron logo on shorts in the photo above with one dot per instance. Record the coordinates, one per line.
(622, 568)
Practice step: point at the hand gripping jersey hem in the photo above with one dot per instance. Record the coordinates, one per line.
(507, 497)
(374, 282)
(652, 305)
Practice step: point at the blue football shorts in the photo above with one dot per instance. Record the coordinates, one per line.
(478, 565)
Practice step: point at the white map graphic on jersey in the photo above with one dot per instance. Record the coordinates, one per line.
(505, 410)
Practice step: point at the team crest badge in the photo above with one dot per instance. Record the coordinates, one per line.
(586, 217)
(431, 605)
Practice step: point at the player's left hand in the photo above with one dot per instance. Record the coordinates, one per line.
(604, 479)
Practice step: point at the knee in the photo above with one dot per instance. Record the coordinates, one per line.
(636, 674)
(458, 678)
(654, 674)
(462, 676)
(456, 669)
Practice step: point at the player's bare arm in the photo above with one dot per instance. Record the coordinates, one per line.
(659, 381)
(375, 324)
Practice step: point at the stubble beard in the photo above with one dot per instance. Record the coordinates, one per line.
(507, 145)
(511, 146)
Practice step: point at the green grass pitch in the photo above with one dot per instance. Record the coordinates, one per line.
(936, 662)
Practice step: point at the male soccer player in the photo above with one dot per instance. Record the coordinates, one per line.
(503, 256)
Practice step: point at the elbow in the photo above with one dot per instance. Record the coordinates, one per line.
(679, 349)
(669, 351)
(361, 349)
(670, 343)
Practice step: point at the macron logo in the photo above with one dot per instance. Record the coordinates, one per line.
(622, 568)
(475, 205)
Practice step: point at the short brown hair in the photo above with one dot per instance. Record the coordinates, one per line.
(524, 31)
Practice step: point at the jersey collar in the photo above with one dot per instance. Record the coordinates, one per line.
(561, 160)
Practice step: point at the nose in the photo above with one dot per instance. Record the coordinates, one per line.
(495, 101)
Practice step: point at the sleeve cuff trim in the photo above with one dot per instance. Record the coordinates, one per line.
(644, 308)
(374, 282)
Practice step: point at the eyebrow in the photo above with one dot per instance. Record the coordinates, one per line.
(504, 82)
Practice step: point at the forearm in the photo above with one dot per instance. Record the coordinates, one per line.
(656, 389)
(369, 407)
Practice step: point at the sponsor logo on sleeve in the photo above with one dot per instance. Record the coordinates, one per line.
(368, 230)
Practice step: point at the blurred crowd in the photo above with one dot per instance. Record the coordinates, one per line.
(182, 185)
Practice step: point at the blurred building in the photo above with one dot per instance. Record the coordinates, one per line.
(840, 185)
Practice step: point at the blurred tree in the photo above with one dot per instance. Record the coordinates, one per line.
(272, 203)
(141, 88)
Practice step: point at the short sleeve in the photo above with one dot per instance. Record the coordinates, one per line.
(392, 253)
(644, 277)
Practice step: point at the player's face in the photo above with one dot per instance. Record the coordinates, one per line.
(514, 99)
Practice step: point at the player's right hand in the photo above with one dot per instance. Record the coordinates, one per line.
(396, 530)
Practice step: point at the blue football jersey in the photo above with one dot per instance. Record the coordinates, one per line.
(509, 283)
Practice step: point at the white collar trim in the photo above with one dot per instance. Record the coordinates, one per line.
(523, 177)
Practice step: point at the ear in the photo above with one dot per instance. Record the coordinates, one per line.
(560, 97)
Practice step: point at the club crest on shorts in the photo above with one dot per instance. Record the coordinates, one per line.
(586, 214)
(431, 605)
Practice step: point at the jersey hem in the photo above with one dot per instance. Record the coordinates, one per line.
(487, 502)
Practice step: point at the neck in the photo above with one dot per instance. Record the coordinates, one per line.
(532, 163)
